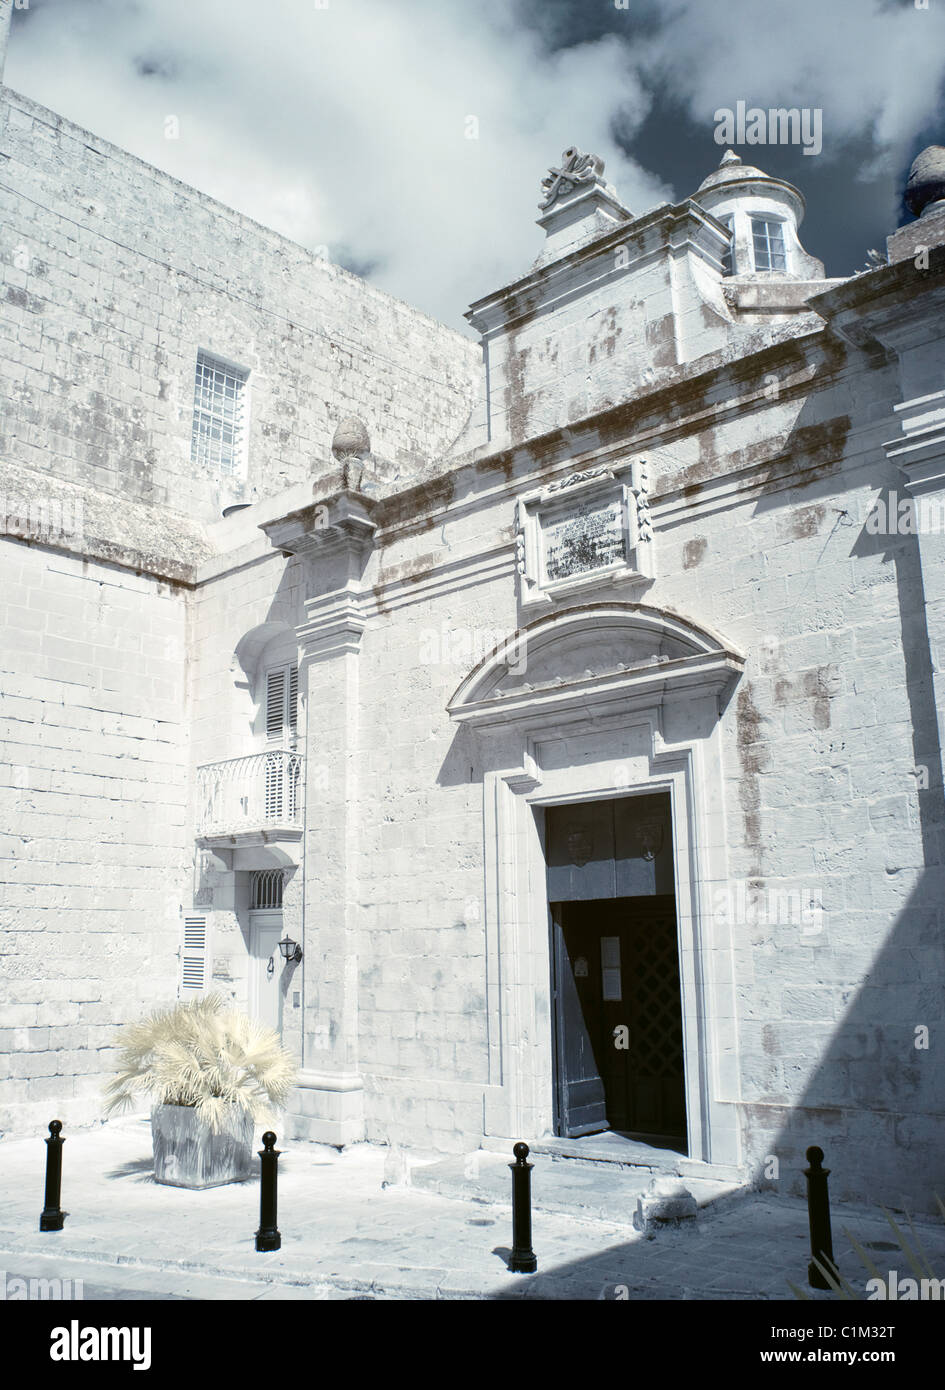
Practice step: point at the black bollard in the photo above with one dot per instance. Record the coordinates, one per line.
(53, 1216)
(523, 1259)
(818, 1212)
(268, 1237)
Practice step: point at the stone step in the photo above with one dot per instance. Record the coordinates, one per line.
(610, 1147)
(614, 1192)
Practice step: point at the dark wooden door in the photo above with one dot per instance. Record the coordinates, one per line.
(619, 1019)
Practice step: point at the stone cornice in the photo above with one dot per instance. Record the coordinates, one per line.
(867, 309)
(40, 509)
(334, 522)
(647, 422)
(920, 450)
(661, 231)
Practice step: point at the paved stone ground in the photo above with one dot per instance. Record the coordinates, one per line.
(345, 1235)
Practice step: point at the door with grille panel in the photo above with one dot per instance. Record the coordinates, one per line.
(618, 1019)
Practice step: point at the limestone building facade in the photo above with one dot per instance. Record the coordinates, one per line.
(571, 699)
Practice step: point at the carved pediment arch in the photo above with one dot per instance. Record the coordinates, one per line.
(594, 657)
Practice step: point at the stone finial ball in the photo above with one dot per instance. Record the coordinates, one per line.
(521, 1152)
(55, 1127)
(351, 437)
(926, 180)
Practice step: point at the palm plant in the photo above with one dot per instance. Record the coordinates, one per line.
(915, 1257)
(203, 1055)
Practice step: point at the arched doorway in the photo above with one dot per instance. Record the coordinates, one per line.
(584, 707)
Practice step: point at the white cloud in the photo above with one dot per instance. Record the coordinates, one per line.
(346, 124)
(874, 68)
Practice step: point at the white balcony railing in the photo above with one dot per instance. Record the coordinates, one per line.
(249, 794)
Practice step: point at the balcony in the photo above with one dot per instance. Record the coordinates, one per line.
(255, 800)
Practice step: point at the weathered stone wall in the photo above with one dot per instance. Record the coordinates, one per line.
(114, 275)
(759, 517)
(95, 820)
(764, 458)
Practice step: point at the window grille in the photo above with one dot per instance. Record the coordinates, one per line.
(219, 399)
(193, 957)
(265, 888)
(768, 244)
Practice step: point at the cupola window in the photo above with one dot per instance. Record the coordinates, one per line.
(767, 238)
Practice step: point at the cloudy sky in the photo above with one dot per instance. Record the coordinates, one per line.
(409, 137)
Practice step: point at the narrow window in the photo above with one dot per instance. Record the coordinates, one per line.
(282, 704)
(219, 407)
(767, 238)
(282, 766)
(728, 255)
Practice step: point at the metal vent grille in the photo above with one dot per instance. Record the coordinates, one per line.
(265, 888)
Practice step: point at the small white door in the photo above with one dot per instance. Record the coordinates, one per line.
(266, 967)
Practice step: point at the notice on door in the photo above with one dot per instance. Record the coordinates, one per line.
(610, 968)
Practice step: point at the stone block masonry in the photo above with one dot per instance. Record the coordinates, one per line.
(93, 800)
(113, 276)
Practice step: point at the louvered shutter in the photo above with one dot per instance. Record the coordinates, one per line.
(275, 704)
(193, 957)
(282, 702)
(293, 698)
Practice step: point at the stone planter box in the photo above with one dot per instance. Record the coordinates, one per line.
(186, 1154)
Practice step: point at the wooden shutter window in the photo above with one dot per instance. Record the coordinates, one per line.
(193, 957)
(293, 698)
(275, 704)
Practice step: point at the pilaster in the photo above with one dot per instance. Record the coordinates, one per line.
(335, 537)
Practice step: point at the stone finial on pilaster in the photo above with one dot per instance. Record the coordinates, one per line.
(351, 439)
(351, 446)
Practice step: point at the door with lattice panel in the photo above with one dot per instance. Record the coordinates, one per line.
(623, 955)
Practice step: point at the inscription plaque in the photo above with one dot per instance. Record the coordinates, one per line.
(588, 538)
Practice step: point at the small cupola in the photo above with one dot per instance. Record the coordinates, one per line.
(925, 191)
(763, 214)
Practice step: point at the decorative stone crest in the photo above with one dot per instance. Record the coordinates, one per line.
(576, 168)
(580, 478)
(589, 527)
